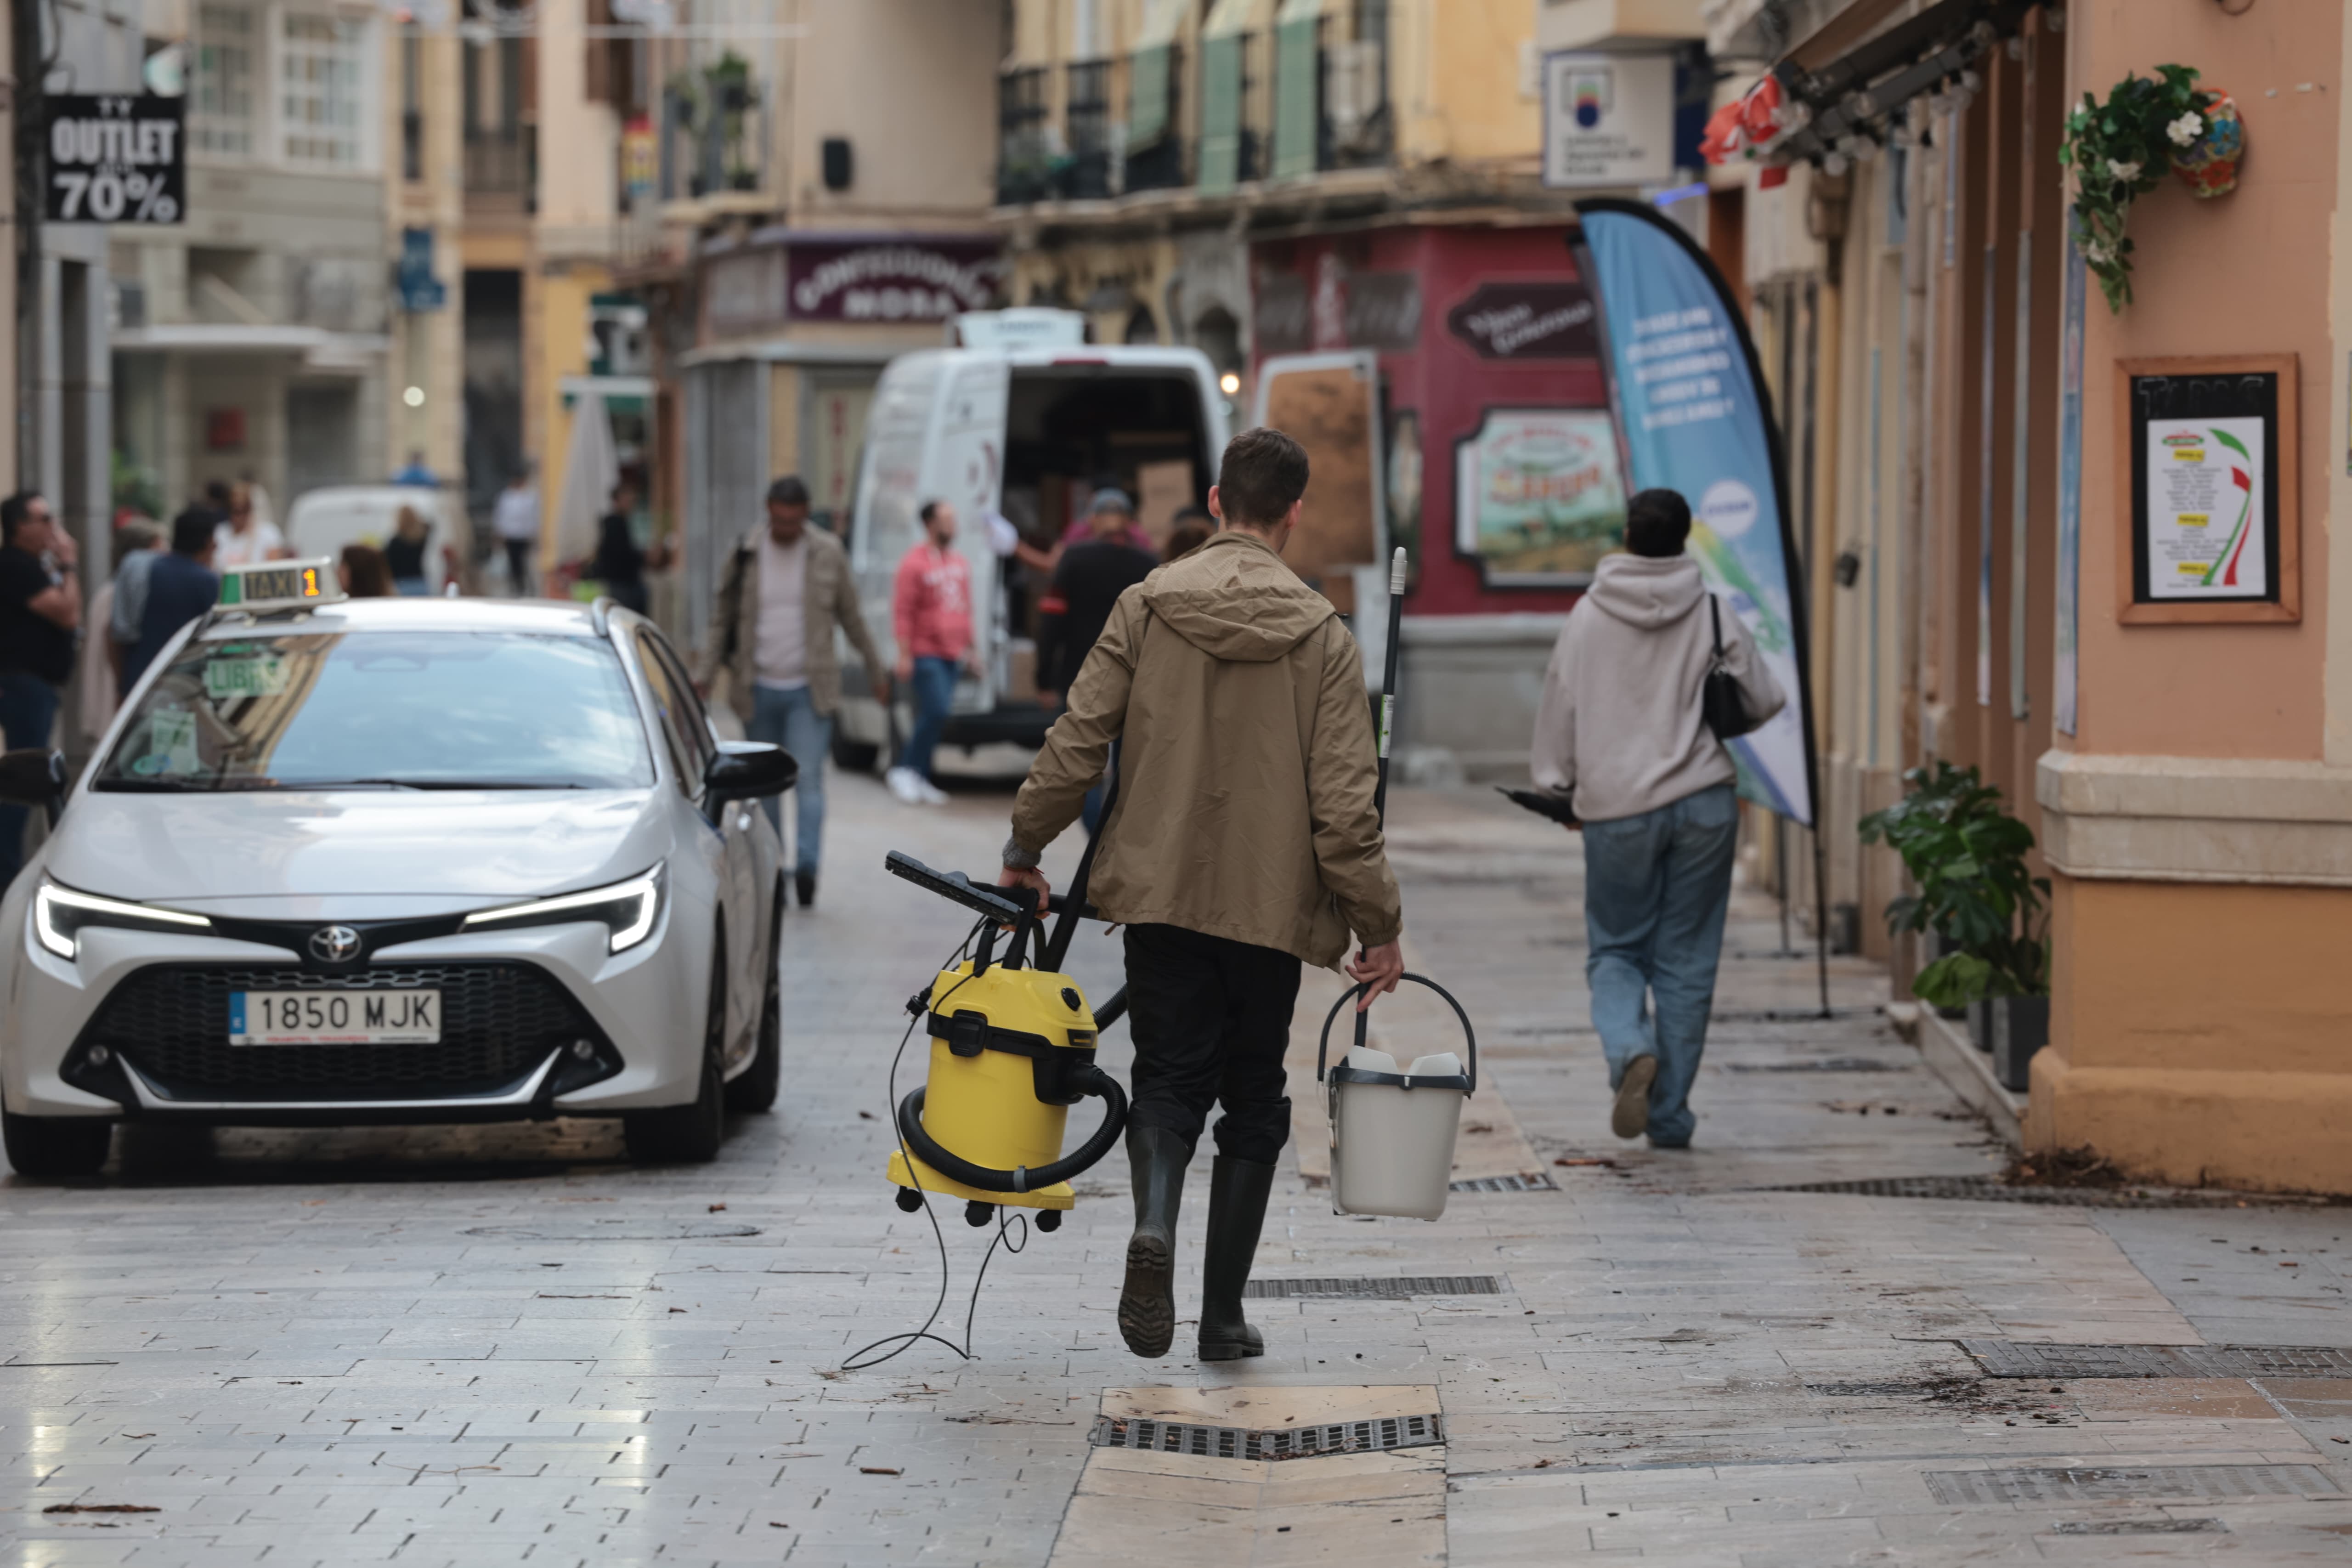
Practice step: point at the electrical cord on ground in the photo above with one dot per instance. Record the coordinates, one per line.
(857, 1360)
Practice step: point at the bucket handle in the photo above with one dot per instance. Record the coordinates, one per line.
(1323, 1046)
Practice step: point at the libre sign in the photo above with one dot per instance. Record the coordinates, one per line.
(115, 159)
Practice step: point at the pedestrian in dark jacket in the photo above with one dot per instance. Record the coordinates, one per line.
(180, 587)
(1086, 585)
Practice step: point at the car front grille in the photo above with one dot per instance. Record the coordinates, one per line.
(499, 1022)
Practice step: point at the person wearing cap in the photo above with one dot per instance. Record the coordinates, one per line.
(781, 594)
(1115, 556)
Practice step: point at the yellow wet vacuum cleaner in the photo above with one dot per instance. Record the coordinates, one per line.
(1013, 1048)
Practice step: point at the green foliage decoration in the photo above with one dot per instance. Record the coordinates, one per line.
(1966, 856)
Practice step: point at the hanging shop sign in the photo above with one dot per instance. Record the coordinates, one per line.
(1528, 321)
(2209, 455)
(1539, 496)
(419, 291)
(890, 280)
(1694, 415)
(114, 158)
(1608, 119)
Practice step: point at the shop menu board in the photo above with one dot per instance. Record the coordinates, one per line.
(2210, 466)
(1542, 496)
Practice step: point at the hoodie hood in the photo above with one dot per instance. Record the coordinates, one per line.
(1233, 599)
(1647, 591)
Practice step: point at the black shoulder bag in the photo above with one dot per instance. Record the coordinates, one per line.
(1720, 704)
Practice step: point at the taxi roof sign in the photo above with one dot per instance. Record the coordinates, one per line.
(281, 584)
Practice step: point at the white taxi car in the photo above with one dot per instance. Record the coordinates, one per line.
(395, 860)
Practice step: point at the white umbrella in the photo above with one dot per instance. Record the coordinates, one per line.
(591, 468)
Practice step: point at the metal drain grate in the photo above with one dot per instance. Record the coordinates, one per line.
(1540, 1181)
(2009, 1358)
(615, 1230)
(1990, 1190)
(2129, 1484)
(1368, 1290)
(1280, 1443)
(2139, 1526)
(1829, 1064)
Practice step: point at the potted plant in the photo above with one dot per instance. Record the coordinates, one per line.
(2118, 152)
(1980, 901)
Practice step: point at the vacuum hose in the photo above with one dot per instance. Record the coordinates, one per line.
(1023, 1179)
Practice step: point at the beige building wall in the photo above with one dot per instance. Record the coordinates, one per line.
(912, 85)
(427, 349)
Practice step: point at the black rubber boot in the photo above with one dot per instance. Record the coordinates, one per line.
(1147, 1307)
(804, 884)
(1237, 1194)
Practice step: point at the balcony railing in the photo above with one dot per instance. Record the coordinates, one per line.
(1025, 157)
(502, 168)
(1087, 116)
(1269, 104)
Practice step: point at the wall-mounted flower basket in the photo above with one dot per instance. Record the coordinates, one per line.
(2208, 162)
(2118, 151)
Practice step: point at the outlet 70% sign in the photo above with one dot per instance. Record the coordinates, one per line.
(115, 159)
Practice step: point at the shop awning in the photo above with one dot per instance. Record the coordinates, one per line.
(1829, 94)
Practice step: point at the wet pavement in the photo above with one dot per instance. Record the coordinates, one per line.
(506, 1344)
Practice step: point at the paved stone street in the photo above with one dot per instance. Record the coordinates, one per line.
(508, 1345)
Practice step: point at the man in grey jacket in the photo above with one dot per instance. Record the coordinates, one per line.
(782, 595)
(1621, 727)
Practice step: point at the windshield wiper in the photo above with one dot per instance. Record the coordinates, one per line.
(421, 784)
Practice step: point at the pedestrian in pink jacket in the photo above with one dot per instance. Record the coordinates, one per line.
(930, 613)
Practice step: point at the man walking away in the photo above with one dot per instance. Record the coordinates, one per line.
(1077, 606)
(136, 540)
(930, 613)
(40, 611)
(781, 595)
(1244, 842)
(180, 587)
(1620, 726)
(515, 519)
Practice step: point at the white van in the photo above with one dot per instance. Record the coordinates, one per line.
(1026, 431)
(322, 521)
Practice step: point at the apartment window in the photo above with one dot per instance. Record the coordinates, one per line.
(321, 96)
(223, 111)
(412, 107)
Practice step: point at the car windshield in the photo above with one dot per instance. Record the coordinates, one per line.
(385, 711)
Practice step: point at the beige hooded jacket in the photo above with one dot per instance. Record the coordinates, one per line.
(1244, 804)
(1620, 724)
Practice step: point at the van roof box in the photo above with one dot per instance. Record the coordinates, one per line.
(1022, 327)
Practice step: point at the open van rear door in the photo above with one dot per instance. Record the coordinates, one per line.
(965, 468)
(1330, 404)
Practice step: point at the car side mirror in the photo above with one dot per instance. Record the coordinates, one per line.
(743, 770)
(34, 775)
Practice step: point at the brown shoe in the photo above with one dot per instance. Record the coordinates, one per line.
(1632, 1110)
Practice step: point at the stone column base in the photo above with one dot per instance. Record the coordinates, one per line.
(2254, 1129)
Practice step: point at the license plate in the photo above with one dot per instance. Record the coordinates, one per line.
(334, 1017)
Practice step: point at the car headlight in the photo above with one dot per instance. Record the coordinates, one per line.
(627, 910)
(59, 914)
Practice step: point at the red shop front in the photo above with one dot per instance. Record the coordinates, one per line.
(1488, 353)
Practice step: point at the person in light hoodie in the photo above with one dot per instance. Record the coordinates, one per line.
(1621, 731)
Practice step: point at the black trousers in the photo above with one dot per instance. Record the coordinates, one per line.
(1210, 1019)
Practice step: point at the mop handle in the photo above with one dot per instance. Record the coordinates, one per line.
(1388, 718)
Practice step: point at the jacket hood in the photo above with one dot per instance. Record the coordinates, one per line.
(1647, 591)
(1233, 599)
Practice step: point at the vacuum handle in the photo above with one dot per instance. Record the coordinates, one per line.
(1010, 905)
(1323, 1045)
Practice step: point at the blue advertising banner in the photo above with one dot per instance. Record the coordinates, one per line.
(1695, 416)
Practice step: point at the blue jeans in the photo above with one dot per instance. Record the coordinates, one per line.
(790, 719)
(935, 684)
(28, 711)
(1655, 889)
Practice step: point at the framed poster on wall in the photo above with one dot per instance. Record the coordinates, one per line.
(1539, 496)
(2208, 464)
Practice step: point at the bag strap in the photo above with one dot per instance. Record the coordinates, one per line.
(1715, 614)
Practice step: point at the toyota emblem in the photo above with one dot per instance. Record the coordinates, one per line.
(334, 944)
